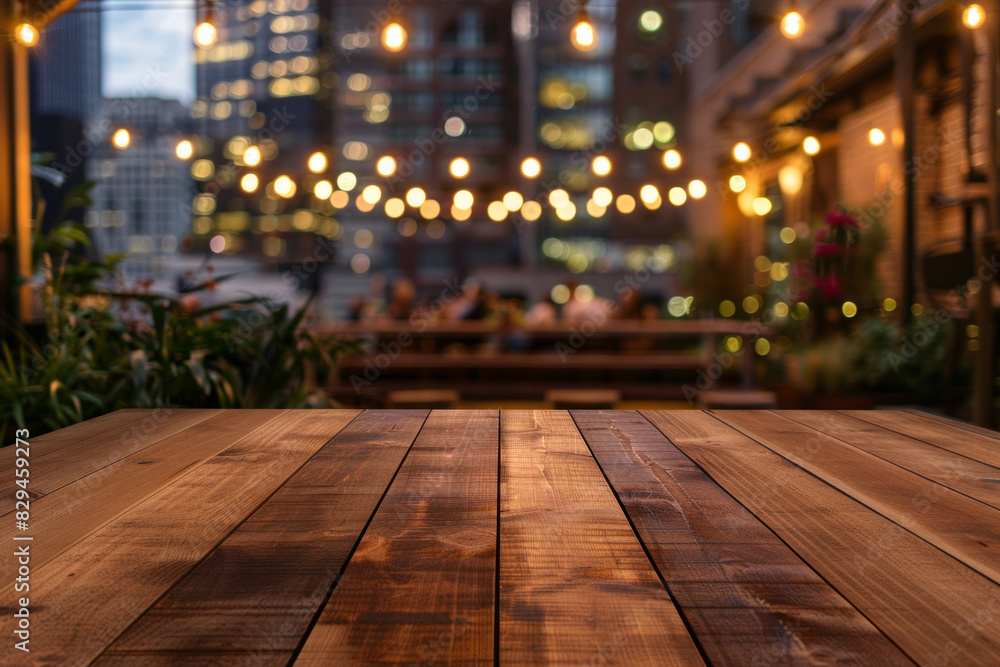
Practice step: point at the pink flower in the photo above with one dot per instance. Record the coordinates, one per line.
(801, 270)
(822, 234)
(829, 288)
(841, 220)
(827, 250)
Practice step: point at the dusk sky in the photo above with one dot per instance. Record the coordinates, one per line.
(136, 42)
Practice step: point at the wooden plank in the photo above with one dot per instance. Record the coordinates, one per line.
(931, 605)
(972, 478)
(957, 423)
(748, 598)
(97, 588)
(56, 440)
(961, 526)
(958, 441)
(575, 585)
(253, 598)
(61, 518)
(67, 464)
(420, 587)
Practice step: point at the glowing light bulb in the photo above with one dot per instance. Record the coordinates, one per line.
(386, 166)
(463, 199)
(974, 16)
(323, 189)
(249, 183)
(876, 137)
(394, 37)
(459, 167)
(26, 34)
(205, 35)
(251, 156)
(121, 138)
(316, 164)
(793, 25)
(741, 152)
(583, 36)
(810, 145)
(697, 189)
(416, 197)
(601, 165)
(284, 186)
(184, 150)
(531, 167)
(672, 159)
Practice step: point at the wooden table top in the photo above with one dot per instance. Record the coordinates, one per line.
(334, 537)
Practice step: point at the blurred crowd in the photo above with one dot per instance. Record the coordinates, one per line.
(569, 303)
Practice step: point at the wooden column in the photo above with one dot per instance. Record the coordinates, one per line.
(15, 166)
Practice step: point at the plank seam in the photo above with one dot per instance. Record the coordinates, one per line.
(111, 463)
(187, 471)
(496, 575)
(225, 537)
(913, 437)
(768, 526)
(649, 557)
(895, 464)
(347, 561)
(864, 504)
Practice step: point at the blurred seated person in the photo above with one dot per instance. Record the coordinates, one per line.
(585, 306)
(631, 305)
(543, 313)
(401, 299)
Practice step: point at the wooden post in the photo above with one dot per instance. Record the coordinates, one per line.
(985, 365)
(15, 163)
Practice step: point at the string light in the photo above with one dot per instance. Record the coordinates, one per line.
(792, 23)
(184, 150)
(386, 166)
(811, 145)
(26, 34)
(974, 16)
(459, 167)
(672, 159)
(531, 167)
(601, 165)
(251, 156)
(394, 37)
(323, 189)
(249, 183)
(284, 187)
(697, 189)
(416, 197)
(583, 36)
(205, 34)
(741, 152)
(463, 199)
(317, 162)
(121, 138)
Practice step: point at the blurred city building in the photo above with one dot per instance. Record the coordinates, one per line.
(143, 190)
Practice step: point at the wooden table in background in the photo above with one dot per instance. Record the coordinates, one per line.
(484, 537)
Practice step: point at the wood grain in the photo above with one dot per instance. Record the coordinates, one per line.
(67, 464)
(575, 585)
(954, 423)
(747, 597)
(420, 587)
(71, 435)
(931, 605)
(976, 446)
(71, 512)
(93, 591)
(972, 478)
(253, 598)
(961, 526)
